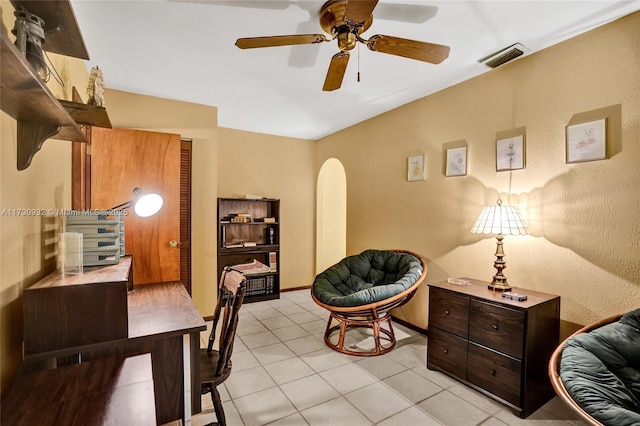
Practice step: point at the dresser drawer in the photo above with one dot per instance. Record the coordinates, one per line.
(449, 312)
(496, 373)
(497, 327)
(447, 352)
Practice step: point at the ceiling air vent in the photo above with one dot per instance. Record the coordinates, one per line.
(503, 56)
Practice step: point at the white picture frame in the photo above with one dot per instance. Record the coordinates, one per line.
(587, 141)
(456, 162)
(415, 168)
(510, 153)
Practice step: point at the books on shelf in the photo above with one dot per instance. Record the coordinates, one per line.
(239, 218)
(260, 286)
(266, 219)
(273, 261)
(241, 244)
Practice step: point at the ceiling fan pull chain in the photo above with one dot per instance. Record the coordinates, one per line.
(358, 78)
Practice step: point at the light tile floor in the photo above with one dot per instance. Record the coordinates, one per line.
(283, 374)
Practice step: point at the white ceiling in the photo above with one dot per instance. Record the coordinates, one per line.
(184, 50)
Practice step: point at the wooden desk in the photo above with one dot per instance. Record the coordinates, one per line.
(162, 321)
(109, 391)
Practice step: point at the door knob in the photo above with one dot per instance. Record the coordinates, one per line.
(174, 243)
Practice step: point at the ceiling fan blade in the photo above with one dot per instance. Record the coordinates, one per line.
(286, 40)
(358, 11)
(337, 68)
(412, 49)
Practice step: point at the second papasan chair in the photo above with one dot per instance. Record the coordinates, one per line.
(360, 290)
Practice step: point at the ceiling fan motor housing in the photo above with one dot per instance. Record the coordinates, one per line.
(332, 19)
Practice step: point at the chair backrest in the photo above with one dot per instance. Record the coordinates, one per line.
(230, 297)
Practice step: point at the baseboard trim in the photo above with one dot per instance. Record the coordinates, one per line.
(413, 327)
(304, 287)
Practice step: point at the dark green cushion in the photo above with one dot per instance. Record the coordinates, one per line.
(601, 371)
(365, 278)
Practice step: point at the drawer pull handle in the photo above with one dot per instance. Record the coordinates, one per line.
(494, 326)
(445, 351)
(492, 372)
(447, 312)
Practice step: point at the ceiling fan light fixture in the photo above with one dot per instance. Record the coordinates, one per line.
(346, 40)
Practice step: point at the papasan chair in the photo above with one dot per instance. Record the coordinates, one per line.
(360, 290)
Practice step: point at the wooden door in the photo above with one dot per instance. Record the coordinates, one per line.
(122, 159)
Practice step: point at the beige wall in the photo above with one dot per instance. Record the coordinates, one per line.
(583, 218)
(199, 123)
(276, 167)
(25, 255)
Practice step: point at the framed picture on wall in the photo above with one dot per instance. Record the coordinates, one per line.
(587, 141)
(415, 168)
(456, 161)
(510, 153)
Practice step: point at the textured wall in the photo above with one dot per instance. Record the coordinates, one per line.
(584, 218)
(275, 167)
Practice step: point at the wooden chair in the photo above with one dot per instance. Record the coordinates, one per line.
(556, 380)
(215, 365)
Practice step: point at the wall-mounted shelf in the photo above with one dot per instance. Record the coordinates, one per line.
(25, 98)
(87, 114)
(62, 33)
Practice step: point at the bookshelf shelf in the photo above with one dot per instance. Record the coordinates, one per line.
(244, 236)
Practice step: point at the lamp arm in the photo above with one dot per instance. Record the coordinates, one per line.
(122, 206)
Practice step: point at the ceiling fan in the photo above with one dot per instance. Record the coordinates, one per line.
(346, 20)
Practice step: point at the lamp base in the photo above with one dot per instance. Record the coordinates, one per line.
(499, 286)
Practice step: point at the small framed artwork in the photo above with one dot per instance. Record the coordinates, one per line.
(510, 153)
(415, 167)
(587, 141)
(456, 161)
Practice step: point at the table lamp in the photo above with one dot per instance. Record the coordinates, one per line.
(499, 220)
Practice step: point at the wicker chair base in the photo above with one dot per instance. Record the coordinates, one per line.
(383, 338)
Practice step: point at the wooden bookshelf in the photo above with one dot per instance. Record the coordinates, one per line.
(250, 230)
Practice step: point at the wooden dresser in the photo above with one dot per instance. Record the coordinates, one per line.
(498, 346)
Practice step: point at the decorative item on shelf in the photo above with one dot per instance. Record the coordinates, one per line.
(252, 267)
(273, 261)
(144, 204)
(271, 236)
(71, 253)
(499, 220)
(29, 32)
(95, 88)
(266, 220)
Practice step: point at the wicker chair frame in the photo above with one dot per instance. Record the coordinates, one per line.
(371, 316)
(554, 371)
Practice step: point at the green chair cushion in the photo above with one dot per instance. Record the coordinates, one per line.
(601, 371)
(368, 277)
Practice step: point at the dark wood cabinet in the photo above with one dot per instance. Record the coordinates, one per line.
(62, 311)
(498, 346)
(248, 231)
